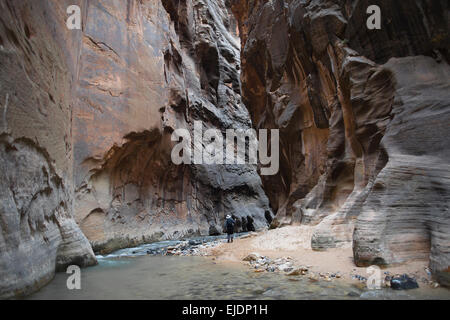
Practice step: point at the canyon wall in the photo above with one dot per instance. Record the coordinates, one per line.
(38, 63)
(363, 118)
(148, 68)
(87, 119)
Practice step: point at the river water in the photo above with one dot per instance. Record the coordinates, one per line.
(132, 274)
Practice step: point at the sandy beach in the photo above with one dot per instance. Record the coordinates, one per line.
(294, 242)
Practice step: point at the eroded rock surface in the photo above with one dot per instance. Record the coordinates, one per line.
(38, 234)
(361, 115)
(86, 118)
(147, 69)
(406, 215)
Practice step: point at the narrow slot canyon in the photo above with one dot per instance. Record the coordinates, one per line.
(88, 119)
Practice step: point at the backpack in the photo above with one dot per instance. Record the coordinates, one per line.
(229, 224)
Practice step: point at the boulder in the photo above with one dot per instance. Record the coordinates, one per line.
(252, 257)
(403, 282)
(298, 271)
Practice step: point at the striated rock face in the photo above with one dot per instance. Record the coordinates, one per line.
(406, 215)
(87, 118)
(38, 62)
(146, 69)
(363, 118)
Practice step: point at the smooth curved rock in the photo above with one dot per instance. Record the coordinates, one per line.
(38, 63)
(361, 115)
(406, 215)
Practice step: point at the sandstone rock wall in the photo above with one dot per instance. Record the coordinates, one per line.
(361, 114)
(38, 63)
(87, 118)
(87, 115)
(146, 69)
(406, 214)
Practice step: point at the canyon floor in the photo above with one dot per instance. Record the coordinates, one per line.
(207, 268)
(294, 242)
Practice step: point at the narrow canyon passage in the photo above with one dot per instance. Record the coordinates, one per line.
(134, 274)
(356, 121)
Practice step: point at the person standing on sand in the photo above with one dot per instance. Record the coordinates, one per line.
(229, 226)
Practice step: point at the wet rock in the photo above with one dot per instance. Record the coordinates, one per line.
(286, 267)
(403, 282)
(298, 271)
(271, 269)
(353, 294)
(194, 242)
(313, 277)
(252, 257)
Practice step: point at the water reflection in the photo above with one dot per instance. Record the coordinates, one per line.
(175, 277)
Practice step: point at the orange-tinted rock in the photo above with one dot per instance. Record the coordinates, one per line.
(86, 120)
(38, 63)
(349, 117)
(148, 68)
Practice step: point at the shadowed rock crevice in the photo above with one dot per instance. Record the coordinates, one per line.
(314, 93)
(183, 67)
(355, 159)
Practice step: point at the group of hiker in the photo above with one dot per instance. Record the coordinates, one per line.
(231, 221)
(229, 226)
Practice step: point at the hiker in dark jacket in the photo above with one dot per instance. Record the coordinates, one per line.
(229, 225)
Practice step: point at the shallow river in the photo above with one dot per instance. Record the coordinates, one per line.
(129, 274)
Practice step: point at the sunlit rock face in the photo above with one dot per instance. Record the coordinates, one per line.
(148, 68)
(363, 118)
(38, 63)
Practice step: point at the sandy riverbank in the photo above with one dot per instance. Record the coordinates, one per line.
(294, 242)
